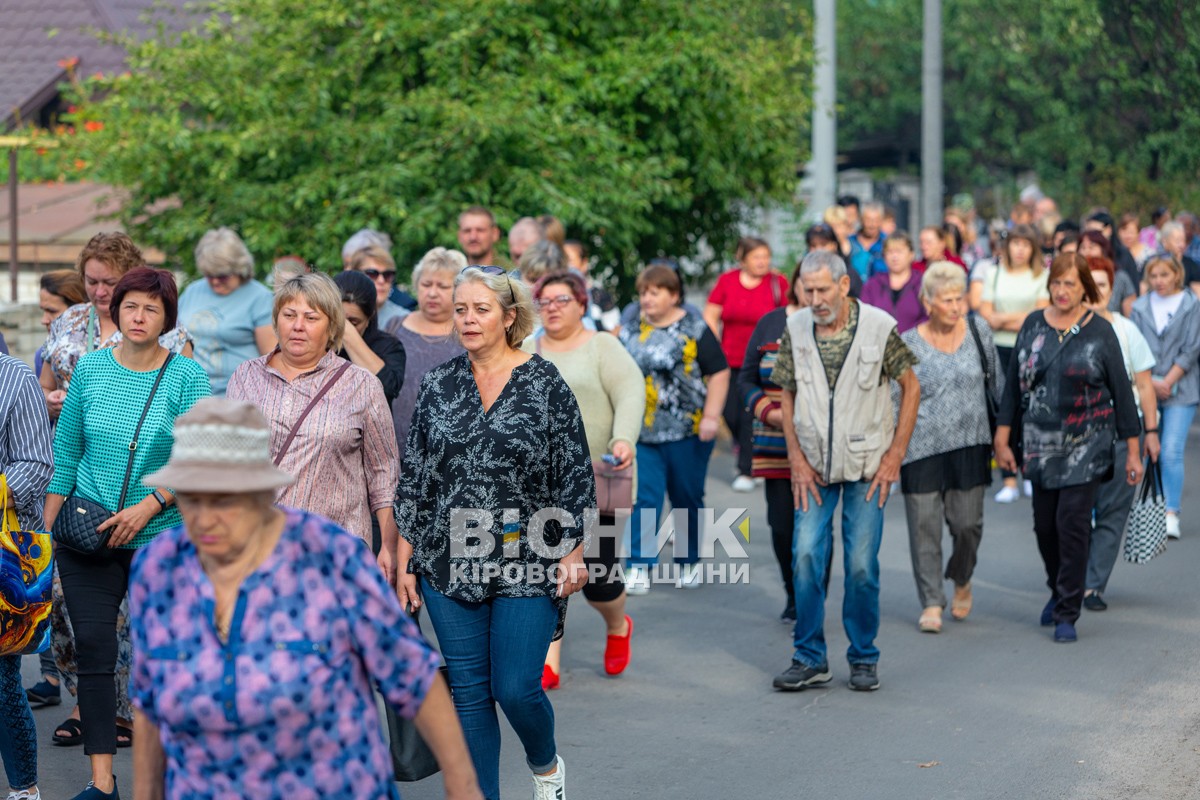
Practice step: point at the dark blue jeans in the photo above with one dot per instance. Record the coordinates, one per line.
(495, 651)
(18, 736)
(678, 471)
(862, 532)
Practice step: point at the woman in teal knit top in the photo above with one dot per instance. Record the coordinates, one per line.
(109, 389)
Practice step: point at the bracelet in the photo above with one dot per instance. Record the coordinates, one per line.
(1150, 430)
(162, 501)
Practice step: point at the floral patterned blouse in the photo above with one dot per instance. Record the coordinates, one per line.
(528, 452)
(285, 708)
(77, 332)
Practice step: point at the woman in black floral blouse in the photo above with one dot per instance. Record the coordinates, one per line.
(1068, 391)
(495, 482)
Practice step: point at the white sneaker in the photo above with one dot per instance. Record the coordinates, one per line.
(690, 576)
(1008, 494)
(1172, 526)
(25, 794)
(743, 483)
(637, 580)
(1028, 487)
(553, 786)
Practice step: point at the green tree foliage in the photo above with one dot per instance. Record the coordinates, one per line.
(645, 126)
(1092, 95)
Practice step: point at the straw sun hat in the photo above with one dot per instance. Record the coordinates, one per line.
(221, 447)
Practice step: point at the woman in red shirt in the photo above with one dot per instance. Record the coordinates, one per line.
(739, 300)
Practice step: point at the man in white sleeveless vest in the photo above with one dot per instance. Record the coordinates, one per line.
(837, 359)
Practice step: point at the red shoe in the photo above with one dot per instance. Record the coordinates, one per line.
(616, 653)
(549, 677)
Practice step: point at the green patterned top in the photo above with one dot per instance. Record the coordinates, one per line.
(99, 416)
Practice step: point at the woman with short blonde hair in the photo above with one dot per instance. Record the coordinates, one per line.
(377, 264)
(329, 418)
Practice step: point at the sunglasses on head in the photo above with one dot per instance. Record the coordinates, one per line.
(375, 274)
(490, 270)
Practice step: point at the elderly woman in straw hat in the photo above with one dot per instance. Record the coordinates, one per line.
(258, 634)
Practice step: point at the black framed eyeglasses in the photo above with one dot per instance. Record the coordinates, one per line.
(375, 274)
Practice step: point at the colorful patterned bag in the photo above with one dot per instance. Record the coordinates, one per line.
(26, 579)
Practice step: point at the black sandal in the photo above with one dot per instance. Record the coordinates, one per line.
(124, 736)
(74, 735)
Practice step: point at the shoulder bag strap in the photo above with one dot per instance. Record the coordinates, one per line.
(308, 410)
(987, 373)
(136, 431)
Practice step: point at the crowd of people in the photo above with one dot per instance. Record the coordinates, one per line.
(290, 473)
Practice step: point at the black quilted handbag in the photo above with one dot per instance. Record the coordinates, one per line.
(75, 526)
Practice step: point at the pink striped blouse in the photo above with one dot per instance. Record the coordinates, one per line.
(344, 457)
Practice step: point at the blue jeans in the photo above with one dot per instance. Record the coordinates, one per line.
(18, 736)
(1174, 423)
(495, 651)
(862, 531)
(678, 470)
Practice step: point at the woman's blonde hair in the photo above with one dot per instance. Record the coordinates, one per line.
(942, 275)
(1170, 263)
(512, 295)
(374, 253)
(439, 259)
(222, 252)
(319, 291)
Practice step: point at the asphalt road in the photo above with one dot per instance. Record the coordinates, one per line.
(990, 708)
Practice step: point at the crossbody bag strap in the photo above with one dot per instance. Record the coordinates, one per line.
(983, 362)
(1039, 376)
(308, 410)
(137, 431)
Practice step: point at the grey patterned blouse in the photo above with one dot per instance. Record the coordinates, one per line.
(527, 453)
(953, 410)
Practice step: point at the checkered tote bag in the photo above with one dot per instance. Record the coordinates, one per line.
(1146, 536)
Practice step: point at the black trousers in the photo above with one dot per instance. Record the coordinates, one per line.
(1062, 520)
(781, 517)
(94, 587)
(1003, 354)
(607, 585)
(741, 425)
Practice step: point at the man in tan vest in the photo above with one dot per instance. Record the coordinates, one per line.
(837, 359)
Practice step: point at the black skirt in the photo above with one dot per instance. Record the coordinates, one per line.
(958, 470)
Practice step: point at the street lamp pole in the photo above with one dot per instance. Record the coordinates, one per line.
(931, 116)
(823, 166)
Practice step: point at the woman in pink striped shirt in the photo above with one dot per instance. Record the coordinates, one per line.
(343, 452)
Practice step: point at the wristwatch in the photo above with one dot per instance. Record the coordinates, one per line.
(162, 501)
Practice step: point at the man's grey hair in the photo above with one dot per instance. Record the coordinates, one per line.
(873, 206)
(525, 228)
(366, 238)
(818, 260)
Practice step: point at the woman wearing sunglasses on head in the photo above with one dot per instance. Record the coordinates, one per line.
(496, 482)
(228, 313)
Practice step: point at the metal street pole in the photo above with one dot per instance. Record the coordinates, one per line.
(931, 116)
(14, 263)
(823, 166)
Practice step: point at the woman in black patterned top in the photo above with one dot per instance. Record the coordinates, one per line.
(1068, 390)
(497, 445)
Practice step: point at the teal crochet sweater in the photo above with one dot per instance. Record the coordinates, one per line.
(91, 442)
